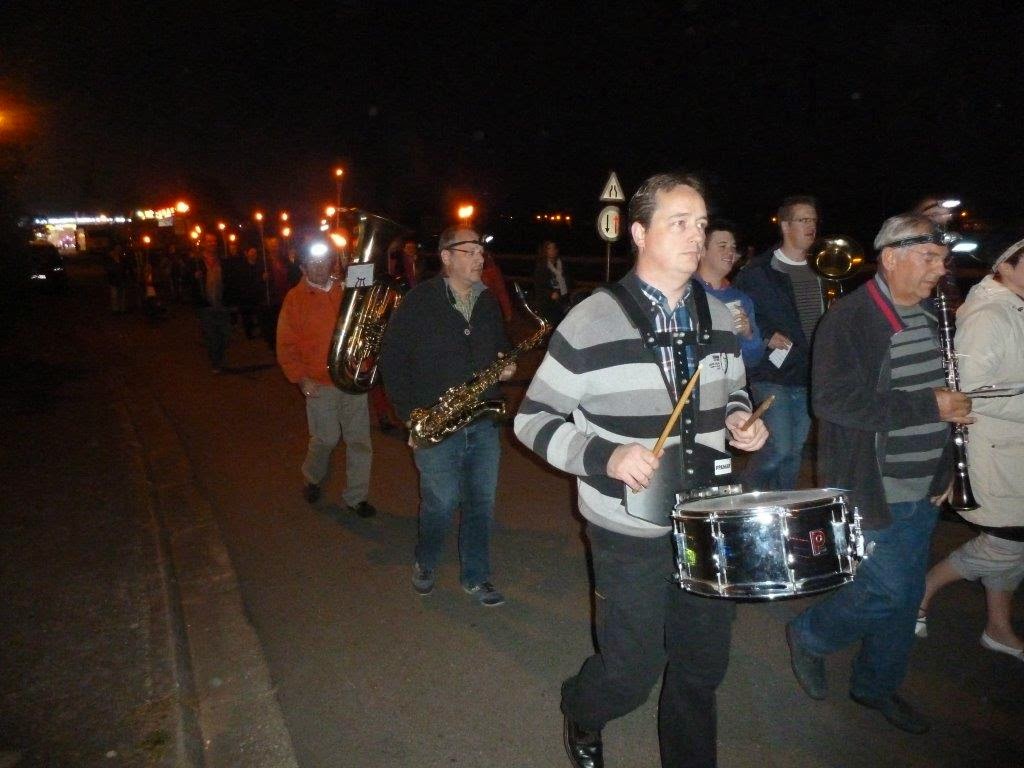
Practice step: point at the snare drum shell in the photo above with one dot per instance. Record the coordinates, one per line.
(763, 545)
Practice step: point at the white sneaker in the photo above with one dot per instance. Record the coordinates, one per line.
(921, 627)
(995, 645)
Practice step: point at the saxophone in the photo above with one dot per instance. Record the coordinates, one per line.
(462, 404)
(962, 499)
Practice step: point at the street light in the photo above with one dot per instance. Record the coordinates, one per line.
(223, 236)
(338, 173)
(263, 250)
(465, 214)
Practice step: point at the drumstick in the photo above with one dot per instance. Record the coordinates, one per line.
(764, 406)
(678, 409)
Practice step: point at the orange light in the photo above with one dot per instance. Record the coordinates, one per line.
(147, 239)
(338, 240)
(181, 206)
(963, 214)
(330, 210)
(286, 232)
(198, 229)
(466, 212)
(195, 235)
(258, 216)
(284, 215)
(568, 218)
(339, 172)
(221, 225)
(232, 237)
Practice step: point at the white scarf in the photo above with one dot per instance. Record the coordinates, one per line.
(556, 269)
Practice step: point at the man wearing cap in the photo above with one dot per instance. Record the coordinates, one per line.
(879, 391)
(444, 331)
(304, 332)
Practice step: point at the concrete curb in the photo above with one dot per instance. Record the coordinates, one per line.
(226, 691)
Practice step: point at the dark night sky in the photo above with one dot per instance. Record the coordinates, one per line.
(523, 106)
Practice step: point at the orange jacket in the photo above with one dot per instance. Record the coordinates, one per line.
(305, 328)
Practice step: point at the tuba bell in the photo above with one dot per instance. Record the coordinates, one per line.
(371, 295)
(834, 259)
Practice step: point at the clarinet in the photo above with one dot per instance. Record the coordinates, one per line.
(962, 499)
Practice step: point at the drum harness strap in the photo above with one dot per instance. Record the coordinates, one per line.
(706, 340)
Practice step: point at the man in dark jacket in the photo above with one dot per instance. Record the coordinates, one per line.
(445, 330)
(788, 304)
(879, 390)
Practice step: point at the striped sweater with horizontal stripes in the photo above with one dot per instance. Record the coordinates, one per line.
(599, 387)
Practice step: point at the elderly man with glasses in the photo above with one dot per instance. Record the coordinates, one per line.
(880, 393)
(788, 303)
(445, 330)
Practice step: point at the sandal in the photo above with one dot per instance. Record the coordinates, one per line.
(921, 627)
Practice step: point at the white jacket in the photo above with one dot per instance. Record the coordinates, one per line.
(990, 350)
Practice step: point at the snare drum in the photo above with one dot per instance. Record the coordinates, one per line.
(767, 544)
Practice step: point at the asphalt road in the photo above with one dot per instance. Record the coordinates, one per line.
(367, 673)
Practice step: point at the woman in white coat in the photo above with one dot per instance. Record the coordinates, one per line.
(990, 351)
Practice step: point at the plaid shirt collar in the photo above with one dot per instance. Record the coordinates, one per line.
(666, 319)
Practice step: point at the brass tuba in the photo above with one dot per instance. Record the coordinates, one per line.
(371, 295)
(835, 259)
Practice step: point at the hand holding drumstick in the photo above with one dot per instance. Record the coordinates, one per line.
(635, 465)
(749, 432)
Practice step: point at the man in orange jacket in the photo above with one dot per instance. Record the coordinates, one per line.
(304, 331)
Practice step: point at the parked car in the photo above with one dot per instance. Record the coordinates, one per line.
(47, 270)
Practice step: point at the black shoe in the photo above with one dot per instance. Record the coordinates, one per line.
(898, 712)
(584, 747)
(808, 668)
(364, 509)
(311, 493)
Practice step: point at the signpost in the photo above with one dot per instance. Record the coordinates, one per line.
(608, 220)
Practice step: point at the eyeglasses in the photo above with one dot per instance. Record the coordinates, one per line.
(474, 252)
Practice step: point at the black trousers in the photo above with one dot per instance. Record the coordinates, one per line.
(643, 621)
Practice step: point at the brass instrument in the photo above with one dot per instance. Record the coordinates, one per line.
(962, 499)
(834, 259)
(462, 404)
(366, 307)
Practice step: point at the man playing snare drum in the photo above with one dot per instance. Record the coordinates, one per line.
(596, 407)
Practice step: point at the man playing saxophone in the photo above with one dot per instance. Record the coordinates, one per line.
(879, 390)
(446, 329)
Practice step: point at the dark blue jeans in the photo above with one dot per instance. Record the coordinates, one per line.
(459, 473)
(879, 607)
(777, 465)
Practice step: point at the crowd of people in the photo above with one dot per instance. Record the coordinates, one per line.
(871, 368)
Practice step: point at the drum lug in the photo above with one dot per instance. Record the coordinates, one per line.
(682, 563)
(720, 556)
(857, 535)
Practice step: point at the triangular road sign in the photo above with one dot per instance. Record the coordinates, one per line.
(612, 192)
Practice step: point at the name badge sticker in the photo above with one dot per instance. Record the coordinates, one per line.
(723, 466)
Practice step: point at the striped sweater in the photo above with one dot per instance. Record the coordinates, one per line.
(598, 387)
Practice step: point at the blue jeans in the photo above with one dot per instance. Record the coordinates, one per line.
(879, 607)
(459, 473)
(776, 466)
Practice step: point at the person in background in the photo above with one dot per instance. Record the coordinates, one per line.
(214, 318)
(990, 348)
(495, 281)
(788, 301)
(551, 284)
(304, 332)
(718, 261)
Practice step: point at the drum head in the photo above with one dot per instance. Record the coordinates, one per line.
(761, 501)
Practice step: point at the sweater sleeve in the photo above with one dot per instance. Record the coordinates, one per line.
(289, 349)
(395, 354)
(844, 385)
(982, 338)
(544, 422)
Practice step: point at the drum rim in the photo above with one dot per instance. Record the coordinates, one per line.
(702, 507)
